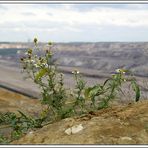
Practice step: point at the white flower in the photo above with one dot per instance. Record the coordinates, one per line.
(36, 65)
(75, 72)
(45, 64)
(118, 70)
(32, 61)
(124, 80)
(78, 72)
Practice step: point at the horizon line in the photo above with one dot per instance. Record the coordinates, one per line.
(75, 42)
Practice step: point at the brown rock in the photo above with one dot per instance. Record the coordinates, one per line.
(102, 128)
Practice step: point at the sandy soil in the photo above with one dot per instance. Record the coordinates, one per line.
(10, 101)
(116, 125)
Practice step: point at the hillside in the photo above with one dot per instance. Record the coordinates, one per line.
(125, 122)
(119, 124)
(12, 102)
(105, 57)
(97, 61)
(102, 56)
(116, 125)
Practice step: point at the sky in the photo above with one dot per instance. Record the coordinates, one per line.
(74, 22)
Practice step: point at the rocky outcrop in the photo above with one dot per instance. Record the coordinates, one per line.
(116, 125)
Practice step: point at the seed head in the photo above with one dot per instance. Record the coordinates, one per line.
(49, 43)
(35, 41)
(75, 71)
(22, 59)
(24, 67)
(29, 57)
(29, 51)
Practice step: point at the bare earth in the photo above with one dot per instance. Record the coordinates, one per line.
(11, 102)
(116, 125)
(126, 124)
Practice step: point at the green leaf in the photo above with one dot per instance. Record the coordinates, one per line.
(93, 91)
(96, 89)
(103, 104)
(136, 89)
(86, 92)
(41, 73)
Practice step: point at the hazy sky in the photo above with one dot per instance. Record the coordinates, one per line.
(74, 22)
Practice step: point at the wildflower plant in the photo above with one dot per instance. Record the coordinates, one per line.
(58, 102)
(42, 71)
(80, 86)
(19, 124)
(102, 94)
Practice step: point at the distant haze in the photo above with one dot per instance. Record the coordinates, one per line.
(74, 22)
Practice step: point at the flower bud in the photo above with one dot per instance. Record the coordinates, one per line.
(22, 59)
(35, 41)
(24, 67)
(29, 51)
(49, 43)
